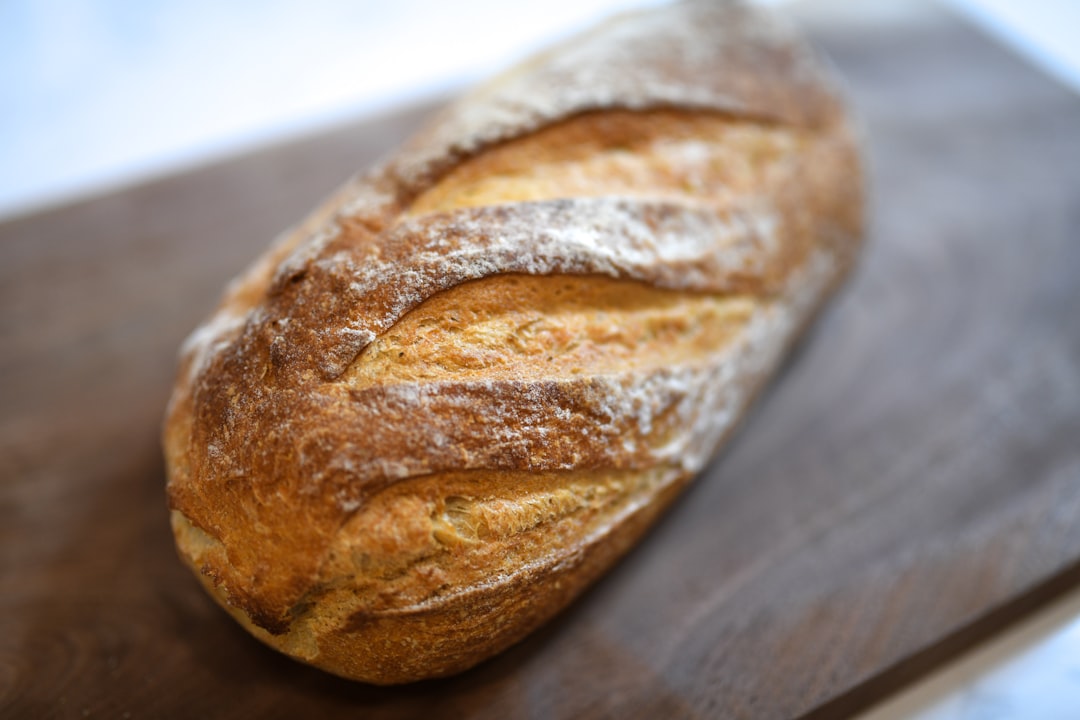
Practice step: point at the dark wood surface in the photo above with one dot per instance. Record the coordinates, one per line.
(909, 485)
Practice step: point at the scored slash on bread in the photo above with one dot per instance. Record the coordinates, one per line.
(438, 409)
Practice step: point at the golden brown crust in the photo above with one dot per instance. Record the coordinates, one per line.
(438, 409)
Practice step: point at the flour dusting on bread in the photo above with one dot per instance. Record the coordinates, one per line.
(458, 391)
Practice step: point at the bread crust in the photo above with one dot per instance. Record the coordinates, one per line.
(445, 403)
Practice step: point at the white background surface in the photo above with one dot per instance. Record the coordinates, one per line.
(99, 93)
(1031, 672)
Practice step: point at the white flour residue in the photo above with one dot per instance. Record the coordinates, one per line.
(306, 253)
(202, 345)
(670, 245)
(367, 195)
(692, 55)
(673, 415)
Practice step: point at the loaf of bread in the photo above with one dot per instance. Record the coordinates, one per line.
(445, 403)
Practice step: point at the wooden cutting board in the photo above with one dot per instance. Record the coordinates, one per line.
(909, 485)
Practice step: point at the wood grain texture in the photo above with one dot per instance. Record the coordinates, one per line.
(907, 486)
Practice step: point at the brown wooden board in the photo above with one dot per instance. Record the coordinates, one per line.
(910, 483)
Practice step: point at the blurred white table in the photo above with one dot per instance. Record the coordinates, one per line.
(1032, 671)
